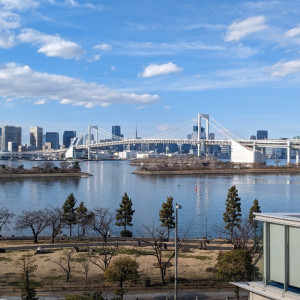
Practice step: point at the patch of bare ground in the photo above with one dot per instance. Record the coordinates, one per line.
(195, 269)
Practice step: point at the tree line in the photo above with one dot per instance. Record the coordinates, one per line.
(78, 220)
(44, 168)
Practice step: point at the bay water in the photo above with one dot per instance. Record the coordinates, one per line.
(202, 197)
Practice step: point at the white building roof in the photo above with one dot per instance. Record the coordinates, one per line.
(291, 219)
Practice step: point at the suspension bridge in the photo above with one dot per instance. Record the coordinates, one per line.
(242, 151)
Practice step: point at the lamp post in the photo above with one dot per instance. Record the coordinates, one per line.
(176, 233)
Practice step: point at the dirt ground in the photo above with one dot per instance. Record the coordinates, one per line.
(193, 264)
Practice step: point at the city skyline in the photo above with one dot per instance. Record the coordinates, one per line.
(150, 64)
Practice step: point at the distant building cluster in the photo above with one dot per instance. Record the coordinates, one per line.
(11, 139)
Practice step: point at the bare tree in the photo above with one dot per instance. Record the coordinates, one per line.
(36, 220)
(102, 256)
(103, 221)
(55, 223)
(5, 217)
(86, 265)
(155, 237)
(65, 262)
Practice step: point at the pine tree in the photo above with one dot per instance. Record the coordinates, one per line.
(84, 217)
(69, 212)
(232, 214)
(254, 209)
(166, 215)
(125, 212)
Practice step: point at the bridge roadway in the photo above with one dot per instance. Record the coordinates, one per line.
(292, 144)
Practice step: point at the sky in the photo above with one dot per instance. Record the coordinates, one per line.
(151, 65)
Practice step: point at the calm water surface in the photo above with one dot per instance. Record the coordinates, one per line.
(202, 198)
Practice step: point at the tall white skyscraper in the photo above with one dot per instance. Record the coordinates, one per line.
(36, 137)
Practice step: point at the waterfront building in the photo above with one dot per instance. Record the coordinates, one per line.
(12, 147)
(53, 138)
(262, 134)
(67, 137)
(10, 134)
(36, 137)
(281, 264)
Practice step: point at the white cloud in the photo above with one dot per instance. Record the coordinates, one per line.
(19, 82)
(239, 30)
(71, 2)
(7, 40)
(293, 32)
(284, 68)
(167, 107)
(149, 48)
(18, 4)
(103, 46)
(40, 102)
(158, 70)
(51, 45)
(9, 20)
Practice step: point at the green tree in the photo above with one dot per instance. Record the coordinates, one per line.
(125, 212)
(121, 270)
(234, 265)
(69, 212)
(232, 214)
(84, 218)
(28, 268)
(166, 216)
(255, 208)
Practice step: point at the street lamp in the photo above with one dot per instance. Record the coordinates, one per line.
(176, 233)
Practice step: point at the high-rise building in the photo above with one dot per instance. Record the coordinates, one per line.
(116, 135)
(67, 137)
(53, 138)
(116, 132)
(262, 134)
(36, 137)
(10, 134)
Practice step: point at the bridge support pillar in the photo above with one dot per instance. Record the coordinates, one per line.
(288, 153)
(297, 156)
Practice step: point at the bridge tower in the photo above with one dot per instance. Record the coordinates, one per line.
(199, 137)
(89, 138)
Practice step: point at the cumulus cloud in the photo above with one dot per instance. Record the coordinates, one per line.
(239, 30)
(18, 4)
(293, 32)
(20, 82)
(158, 70)
(284, 68)
(8, 22)
(51, 45)
(103, 46)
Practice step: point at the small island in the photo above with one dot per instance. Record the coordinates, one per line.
(194, 165)
(46, 169)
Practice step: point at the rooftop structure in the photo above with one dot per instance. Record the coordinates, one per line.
(281, 263)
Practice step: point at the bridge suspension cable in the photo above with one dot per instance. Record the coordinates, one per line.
(173, 130)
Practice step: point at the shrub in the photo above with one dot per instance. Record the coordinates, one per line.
(126, 233)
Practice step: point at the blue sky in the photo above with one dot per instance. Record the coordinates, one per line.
(154, 64)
